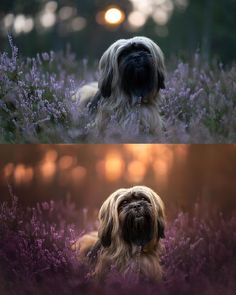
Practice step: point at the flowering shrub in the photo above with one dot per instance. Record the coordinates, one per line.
(199, 102)
(36, 257)
(35, 97)
(37, 105)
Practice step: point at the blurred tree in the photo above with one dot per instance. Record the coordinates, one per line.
(206, 25)
(195, 173)
(21, 6)
(207, 29)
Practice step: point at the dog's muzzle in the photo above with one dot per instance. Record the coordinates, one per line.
(137, 227)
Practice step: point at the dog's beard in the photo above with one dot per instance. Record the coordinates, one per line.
(137, 226)
(137, 76)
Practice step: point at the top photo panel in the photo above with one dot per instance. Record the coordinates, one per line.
(109, 71)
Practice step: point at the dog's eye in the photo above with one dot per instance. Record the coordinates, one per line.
(145, 199)
(124, 202)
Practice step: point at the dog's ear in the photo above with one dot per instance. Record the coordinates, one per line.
(161, 80)
(106, 82)
(94, 252)
(93, 105)
(105, 234)
(160, 228)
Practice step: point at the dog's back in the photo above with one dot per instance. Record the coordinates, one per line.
(86, 93)
(84, 244)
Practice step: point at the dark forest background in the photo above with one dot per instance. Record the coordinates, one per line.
(180, 27)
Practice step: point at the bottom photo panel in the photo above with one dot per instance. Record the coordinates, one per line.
(115, 219)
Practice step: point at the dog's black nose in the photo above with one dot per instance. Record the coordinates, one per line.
(136, 206)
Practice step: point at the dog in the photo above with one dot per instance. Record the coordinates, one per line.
(126, 97)
(131, 224)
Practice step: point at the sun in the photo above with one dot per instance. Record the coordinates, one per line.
(114, 16)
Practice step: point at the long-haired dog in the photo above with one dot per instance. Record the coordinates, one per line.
(131, 224)
(126, 98)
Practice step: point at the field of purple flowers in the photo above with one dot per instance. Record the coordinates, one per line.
(36, 258)
(36, 105)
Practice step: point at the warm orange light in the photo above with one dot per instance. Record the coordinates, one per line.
(182, 150)
(78, 174)
(114, 16)
(51, 156)
(48, 169)
(161, 168)
(8, 170)
(113, 166)
(136, 171)
(66, 162)
(141, 152)
(48, 165)
(29, 173)
(19, 173)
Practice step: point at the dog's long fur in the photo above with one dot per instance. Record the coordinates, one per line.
(128, 236)
(131, 73)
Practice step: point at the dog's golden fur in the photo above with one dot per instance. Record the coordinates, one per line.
(115, 106)
(141, 261)
(83, 245)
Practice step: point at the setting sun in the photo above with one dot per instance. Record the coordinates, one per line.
(114, 16)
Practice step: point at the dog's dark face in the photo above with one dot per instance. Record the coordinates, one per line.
(133, 216)
(137, 72)
(136, 219)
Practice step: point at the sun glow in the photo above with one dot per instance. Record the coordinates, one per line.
(114, 16)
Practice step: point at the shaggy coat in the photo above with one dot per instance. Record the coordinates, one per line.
(131, 224)
(126, 97)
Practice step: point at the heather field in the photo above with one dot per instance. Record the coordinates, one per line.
(198, 255)
(37, 101)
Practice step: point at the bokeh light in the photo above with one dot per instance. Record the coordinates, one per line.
(113, 166)
(78, 174)
(137, 19)
(8, 170)
(114, 16)
(65, 16)
(47, 19)
(51, 6)
(23, 174)
(111, 17)
(136, 171)
(78, 23)
(21, 24)
(66, 12)
(8, 20)
(179, 173)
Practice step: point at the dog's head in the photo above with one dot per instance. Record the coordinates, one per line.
(135, 66)
(133, 216)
